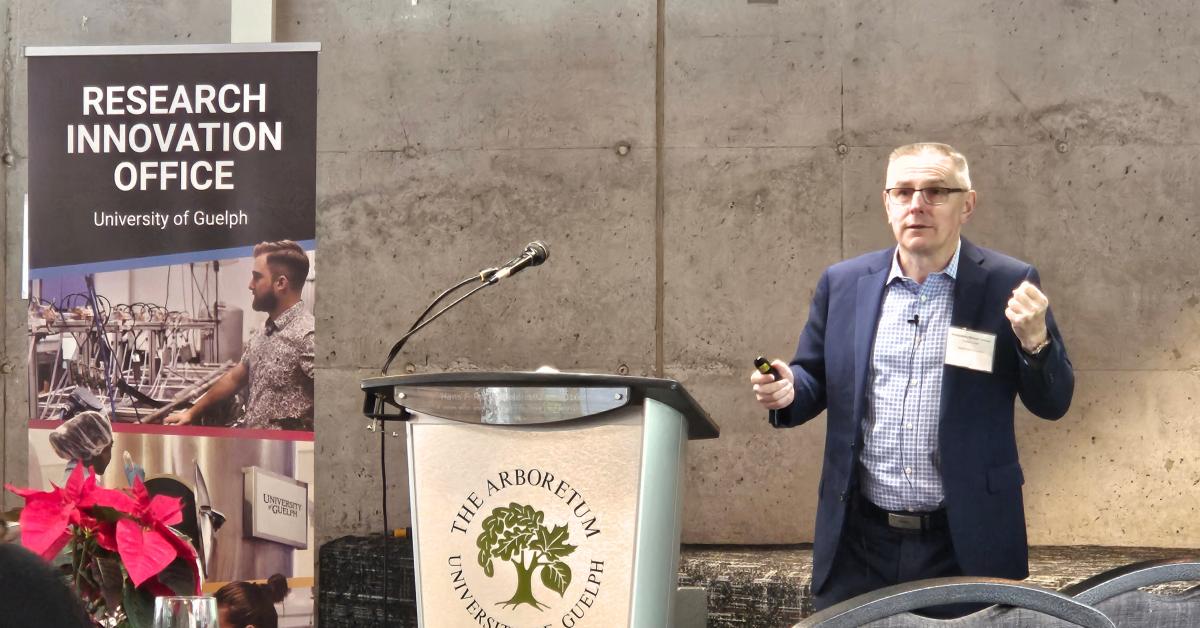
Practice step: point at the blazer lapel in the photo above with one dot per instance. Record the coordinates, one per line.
(868, 301)
(969, 288)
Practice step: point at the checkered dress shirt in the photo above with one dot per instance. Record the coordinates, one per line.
(900, 466)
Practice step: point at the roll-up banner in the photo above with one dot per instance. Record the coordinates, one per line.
(172, 274)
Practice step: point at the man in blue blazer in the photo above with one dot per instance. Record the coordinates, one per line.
(917, 353)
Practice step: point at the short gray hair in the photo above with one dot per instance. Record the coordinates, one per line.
(945, 150)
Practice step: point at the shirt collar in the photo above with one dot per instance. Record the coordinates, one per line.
(284, 319)
(951, 269)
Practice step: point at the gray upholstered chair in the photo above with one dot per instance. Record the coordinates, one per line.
(1114, 598)
(1121, 594)
(1024, 605)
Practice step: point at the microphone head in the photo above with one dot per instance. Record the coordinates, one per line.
(538, 252)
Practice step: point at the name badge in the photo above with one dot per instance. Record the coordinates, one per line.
(969, 349)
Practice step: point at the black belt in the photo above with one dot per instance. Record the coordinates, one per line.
(910, 521)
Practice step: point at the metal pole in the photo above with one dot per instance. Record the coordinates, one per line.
(188, 393)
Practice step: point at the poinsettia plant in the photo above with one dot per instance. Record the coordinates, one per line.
(122, 549)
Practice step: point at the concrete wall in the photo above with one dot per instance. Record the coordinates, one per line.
(13, 443)
(452, 133)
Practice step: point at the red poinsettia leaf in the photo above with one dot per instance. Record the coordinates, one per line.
(43, 499)
(55, 494)
(79, 486)
(183, 547)
(81, 519)
(143, 550)
(44, 526)
(139, 491)
(49, 547)
(106, 536)
(165, 509)
(27, 492)
(75, 480)
(110, 498)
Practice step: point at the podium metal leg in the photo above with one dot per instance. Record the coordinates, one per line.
(660, 512)
(412, 491)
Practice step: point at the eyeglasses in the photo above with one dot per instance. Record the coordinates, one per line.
(933, 196)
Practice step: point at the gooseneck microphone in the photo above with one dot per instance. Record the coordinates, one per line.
(535, 253)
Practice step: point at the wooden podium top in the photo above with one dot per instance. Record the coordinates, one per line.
(526, 397)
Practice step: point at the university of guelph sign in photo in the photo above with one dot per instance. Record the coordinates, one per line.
(158, 155)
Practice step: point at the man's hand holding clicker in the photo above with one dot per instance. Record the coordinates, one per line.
(1027, 313)
(773, 394)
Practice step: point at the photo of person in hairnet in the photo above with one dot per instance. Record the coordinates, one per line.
(84, 439)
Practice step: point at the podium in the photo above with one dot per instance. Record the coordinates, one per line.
(543, 499)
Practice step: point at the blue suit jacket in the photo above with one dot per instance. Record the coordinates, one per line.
(980, 470)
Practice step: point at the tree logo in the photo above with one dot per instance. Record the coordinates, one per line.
(515, 534)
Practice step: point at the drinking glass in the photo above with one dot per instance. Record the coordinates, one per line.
(185, 612)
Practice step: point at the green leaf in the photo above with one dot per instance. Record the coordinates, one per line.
(509, 515)
(107, 514)
(557, 577)
(139, 607)
(178, 577)
(485, 561)
(89, 575)
(531, 519)
(508, 546)
(493, 524)
(553, 543)
(486, 540)
(112, 580)
(513, 518)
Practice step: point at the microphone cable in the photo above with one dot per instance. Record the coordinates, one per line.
(484, 276)
(912, 354)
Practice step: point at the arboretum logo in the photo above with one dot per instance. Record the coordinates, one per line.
(515, 534)
(525, 561)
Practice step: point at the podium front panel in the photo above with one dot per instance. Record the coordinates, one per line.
(525, 525)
